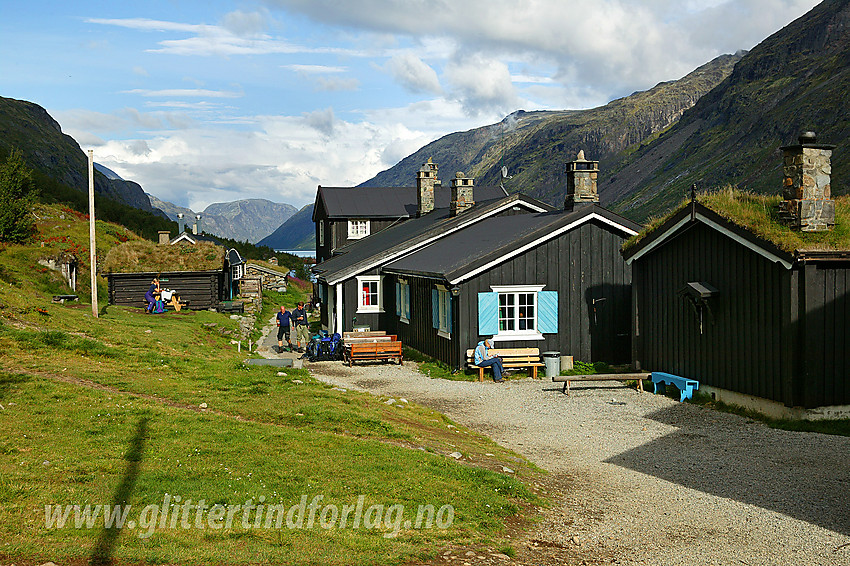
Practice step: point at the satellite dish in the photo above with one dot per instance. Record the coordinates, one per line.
(504, 172)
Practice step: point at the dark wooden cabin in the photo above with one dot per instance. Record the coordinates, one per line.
(748, 307)
(202, 289)
(553, 281)
(351, 285)
(344, 215)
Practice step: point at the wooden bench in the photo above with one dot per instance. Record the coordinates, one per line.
(62, 298)
(373, 351)
(231, 306)
(176, 303)
(566, 379)
(365, 339)
(363, 334)
(686, 386)
(511, 358)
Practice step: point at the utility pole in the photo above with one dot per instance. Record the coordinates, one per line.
(92, 254)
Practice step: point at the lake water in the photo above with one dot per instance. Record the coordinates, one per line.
(299, 253)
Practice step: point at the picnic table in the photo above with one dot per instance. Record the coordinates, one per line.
(373, 345)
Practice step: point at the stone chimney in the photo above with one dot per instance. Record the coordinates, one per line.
(164, 236)
(426, 178)
(196, 227)
(461, 194)
(806, 185)
(581, 182)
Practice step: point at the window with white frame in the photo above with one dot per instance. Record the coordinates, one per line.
(403, 301)
(369, 295)
(517, 310)
(443, 312)
(358, 229)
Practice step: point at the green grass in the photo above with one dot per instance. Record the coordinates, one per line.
(108, 408)
(758, 214)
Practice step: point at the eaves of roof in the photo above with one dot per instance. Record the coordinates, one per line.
(405, 238)
(697, 212)
(460, 257)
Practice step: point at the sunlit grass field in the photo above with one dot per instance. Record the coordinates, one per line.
(137, 409)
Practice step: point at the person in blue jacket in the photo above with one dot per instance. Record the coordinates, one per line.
(283, 323)
(483, 358)
(151, 295)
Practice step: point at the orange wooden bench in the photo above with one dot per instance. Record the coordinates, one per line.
(373, 351)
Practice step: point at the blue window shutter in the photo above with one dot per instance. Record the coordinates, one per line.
(547, 312)
(449, 315)
(397, 298)
(435, 308)
(488, 313)
(407, 301)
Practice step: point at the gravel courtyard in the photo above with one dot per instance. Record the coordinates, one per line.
(645, 479)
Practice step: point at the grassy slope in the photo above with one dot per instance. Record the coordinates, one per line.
(79, 394)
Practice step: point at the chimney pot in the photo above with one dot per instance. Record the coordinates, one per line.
(462, 194)
(426, 179)
(582, 177)
(806, 185)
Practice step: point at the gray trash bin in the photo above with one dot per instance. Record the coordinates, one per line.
(552, 360)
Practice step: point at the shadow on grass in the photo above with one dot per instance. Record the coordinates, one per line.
(108, 538)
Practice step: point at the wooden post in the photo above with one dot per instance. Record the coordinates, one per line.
(92, 254)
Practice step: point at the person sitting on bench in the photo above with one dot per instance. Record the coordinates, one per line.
(484, 359)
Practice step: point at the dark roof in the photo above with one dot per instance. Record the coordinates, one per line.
(406, 236)
(233, 257)
(386, 202)
(494, 240)
(696, 212)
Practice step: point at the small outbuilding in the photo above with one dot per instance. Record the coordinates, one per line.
(199, 272)
(749, 294)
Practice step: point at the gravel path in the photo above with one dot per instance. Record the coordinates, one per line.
(647, 480)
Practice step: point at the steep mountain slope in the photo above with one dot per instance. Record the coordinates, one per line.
(29, 128)
(297, 233)
(535, 145)
(796, 79)
(250, 219)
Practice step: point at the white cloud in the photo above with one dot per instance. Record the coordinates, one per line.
(246, 24)
(321, 120)
(482, 85)
(314, 69)
(414, 74)
(187, 92)
(332, 84)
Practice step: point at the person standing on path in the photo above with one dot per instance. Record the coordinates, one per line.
(283, 323)
(302, 329)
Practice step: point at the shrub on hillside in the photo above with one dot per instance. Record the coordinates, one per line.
(16, 198)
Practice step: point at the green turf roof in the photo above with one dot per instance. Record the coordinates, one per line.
(758, 214)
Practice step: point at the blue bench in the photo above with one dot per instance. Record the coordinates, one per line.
(686, 386)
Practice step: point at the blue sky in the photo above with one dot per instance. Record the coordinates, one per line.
(214, 101)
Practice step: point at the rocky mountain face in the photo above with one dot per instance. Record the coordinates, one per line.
(534, 146)
(250, 219)
(297, 233)
(796, 79)
(29, 128)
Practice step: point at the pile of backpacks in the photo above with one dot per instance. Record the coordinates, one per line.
(324, 347)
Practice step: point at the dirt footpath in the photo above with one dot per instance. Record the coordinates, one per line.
(644, 479)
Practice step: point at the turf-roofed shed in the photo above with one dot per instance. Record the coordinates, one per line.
(196, 272)
(728, 290)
